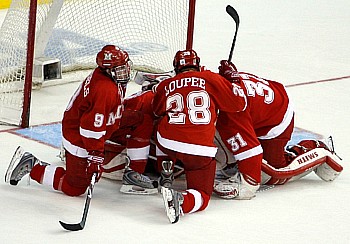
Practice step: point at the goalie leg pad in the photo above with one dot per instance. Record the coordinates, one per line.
(330, 170)
(320, 160)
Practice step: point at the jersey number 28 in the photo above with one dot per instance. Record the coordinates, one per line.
(197, 104)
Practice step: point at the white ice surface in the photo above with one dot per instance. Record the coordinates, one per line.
(289, 41)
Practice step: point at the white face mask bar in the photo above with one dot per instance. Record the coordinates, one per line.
(121, 73)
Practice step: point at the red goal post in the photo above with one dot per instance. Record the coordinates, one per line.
(44, 42)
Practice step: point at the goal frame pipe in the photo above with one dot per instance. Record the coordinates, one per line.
(25, 116)
(190, 25)
(28, 80)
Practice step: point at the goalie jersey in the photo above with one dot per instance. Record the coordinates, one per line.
(269, 113)
(269, 108)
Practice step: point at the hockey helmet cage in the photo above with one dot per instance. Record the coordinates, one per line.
(115, 62)
(186, 59)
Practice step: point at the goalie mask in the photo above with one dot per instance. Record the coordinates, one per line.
(115, 62)
(185, 60)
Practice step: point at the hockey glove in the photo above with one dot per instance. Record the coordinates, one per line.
(228, 70)
(236, 187)
(95, 162)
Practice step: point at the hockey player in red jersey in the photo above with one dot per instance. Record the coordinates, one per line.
(188, 105)
(258, 137)
(135, 132)
(92, 115)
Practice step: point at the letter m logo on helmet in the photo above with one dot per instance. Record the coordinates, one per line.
(108, 56)
(111, 56)
(115, 62)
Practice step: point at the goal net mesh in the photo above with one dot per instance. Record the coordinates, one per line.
(73, 31)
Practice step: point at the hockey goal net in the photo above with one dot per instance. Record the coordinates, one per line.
(69, 33)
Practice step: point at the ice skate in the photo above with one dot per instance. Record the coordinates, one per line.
(166, 175)
(172, 203)
(136, 183)
(20, 165)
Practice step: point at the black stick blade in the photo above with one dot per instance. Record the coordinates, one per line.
(233, 13)
(72, 227)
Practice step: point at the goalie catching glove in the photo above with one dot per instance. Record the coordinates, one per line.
(239, 186)
(95, 161)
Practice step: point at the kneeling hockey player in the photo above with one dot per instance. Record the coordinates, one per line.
(187, 105)
(91, 117)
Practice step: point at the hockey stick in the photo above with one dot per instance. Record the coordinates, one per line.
(80, 226)
(233, 13)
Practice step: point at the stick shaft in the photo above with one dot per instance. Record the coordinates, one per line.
(234, 15)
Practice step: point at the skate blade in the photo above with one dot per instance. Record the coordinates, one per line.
(137, 190)
(15, 158)
(169, 205)
(265, 188)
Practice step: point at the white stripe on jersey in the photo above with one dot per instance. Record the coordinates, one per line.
(73, 149)
(91, 134)
(279, 129)
(249, 153)
(187, 148)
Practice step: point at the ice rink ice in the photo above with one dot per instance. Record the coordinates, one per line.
(304, 44)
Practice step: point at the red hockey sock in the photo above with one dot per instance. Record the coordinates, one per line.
(57, 179)
(194, 201)
(37, 173)
(138, 165)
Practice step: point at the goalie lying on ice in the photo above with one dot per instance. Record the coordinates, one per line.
(303, 158)
(261, 133)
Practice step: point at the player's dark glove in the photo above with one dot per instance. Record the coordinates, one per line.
(228, 70)
(148, 85)
(95, 162)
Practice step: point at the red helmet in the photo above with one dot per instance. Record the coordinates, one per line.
(186, 59)
(115, 62)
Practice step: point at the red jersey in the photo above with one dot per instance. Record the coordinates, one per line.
(268, 105)
(92, 114)
(140, 101)
(189, 103)
(269, 112)
(136, 126)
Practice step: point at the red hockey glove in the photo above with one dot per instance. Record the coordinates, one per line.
(228, 70)
(95, 162)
